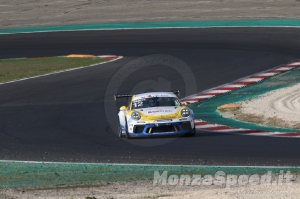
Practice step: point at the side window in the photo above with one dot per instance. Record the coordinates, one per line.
(177, 102)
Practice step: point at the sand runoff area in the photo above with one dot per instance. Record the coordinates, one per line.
(146, 190)
(281, 104)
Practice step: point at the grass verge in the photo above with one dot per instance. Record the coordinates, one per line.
(54, 175)
(237, 114)
(14, 69)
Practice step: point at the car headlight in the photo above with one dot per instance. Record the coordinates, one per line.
(185, 112)
(136, 116)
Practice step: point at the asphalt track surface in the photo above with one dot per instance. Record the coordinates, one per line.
(61, 117)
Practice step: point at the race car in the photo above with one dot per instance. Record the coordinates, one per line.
(155, 114)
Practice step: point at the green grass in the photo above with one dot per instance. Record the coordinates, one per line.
(89, 197)
(13, 69)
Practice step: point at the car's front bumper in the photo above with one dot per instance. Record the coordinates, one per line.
(162, 129)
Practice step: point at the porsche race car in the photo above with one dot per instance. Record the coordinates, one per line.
(155, 114)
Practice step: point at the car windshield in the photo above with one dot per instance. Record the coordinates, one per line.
(155, 102)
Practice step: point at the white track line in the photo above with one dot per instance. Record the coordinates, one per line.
(154, 165)
(62, 71)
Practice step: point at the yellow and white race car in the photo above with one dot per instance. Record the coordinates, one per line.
(155, 114)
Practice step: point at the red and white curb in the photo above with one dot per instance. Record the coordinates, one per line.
(205, 95)
(210, 127)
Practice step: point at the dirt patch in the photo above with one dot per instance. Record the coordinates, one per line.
(228, 106)
(146, 190)
(30, 13)
(279, 108)
(238, 114)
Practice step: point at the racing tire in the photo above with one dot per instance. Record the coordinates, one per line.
(127, 134)
(120, 131)
(193, 132)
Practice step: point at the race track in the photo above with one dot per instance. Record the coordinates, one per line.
(62, 117)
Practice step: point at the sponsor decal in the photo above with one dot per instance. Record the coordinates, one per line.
(160, 111)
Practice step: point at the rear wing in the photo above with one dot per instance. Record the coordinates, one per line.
(176, 93)
(121, 96)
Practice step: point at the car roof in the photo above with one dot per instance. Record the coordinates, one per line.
(153, 94)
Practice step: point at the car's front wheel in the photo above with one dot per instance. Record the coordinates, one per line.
(126, 134)
(120, 130)
(193, 132)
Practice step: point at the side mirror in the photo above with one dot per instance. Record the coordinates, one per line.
(185, 103)
(123, 108)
